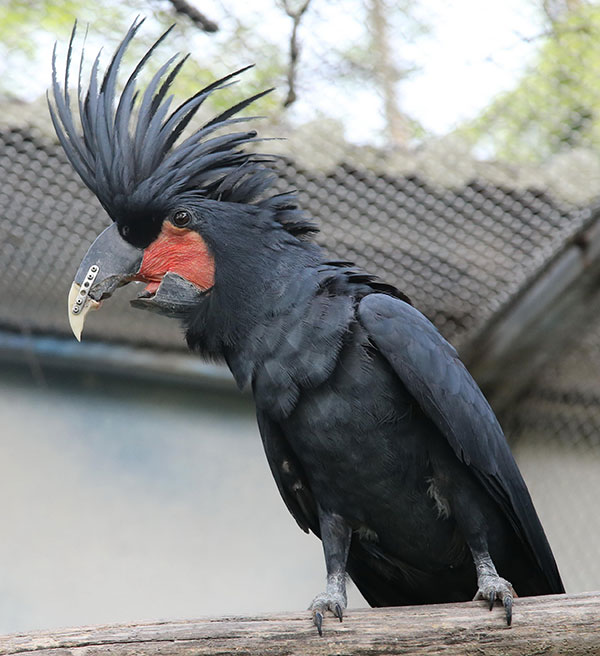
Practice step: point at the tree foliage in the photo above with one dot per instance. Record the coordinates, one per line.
(331, 72)
(28, 29)
(556, 104)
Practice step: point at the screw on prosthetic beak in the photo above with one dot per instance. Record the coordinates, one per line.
(80, 302)
(83, 290)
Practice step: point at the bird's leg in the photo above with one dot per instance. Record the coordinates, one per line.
(473, 523)
(490, 585)
(336, 536)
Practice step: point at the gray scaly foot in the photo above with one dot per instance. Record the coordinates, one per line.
(334, 601)
(493, 587)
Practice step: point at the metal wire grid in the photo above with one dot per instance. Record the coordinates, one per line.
(459, 254)
(555, 433)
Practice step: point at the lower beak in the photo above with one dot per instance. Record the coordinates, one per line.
(109, 263)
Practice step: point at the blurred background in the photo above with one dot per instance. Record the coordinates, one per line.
(451, 148)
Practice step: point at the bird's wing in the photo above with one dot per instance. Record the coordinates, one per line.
(432, 372)
(288, 474)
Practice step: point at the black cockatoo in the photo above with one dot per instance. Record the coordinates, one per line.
(379, 440)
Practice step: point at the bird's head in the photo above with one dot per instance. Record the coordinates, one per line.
(182, 208)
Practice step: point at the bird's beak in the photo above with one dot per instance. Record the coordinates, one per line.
(174, 298)
(109, 263)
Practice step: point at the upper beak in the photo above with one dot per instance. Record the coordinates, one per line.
(109, 263)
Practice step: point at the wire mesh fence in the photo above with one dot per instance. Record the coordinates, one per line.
(458, 253)
(451, 150)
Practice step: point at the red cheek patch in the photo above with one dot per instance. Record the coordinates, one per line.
(179, 251)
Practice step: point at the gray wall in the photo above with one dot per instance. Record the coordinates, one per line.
(564, 481)
(125, 500)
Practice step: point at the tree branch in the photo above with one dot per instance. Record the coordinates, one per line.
(558, 624)
(296, 16)
(197, 17)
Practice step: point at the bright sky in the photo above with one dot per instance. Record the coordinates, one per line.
(476, 48)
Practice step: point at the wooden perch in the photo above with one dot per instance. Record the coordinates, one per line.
(568, 625)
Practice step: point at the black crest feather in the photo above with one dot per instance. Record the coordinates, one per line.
(126, 149)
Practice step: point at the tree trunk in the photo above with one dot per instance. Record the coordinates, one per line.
(397, 128)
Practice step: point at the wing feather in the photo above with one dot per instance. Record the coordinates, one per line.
(433, 373)
(288, 474)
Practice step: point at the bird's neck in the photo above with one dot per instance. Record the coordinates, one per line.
(251, 308)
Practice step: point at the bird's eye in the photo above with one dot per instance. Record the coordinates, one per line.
(181, 218)
(125, 231)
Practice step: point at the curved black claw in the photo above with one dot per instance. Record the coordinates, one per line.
(318, 620)
(508, 604)
(338, 612)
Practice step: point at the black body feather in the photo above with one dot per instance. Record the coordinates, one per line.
(362, 406)
(365, 411)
